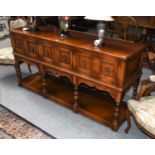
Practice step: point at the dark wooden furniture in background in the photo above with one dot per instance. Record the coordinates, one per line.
(126, 27)
(138, 29)
(113, 68)
(77, 23)
(147, 24)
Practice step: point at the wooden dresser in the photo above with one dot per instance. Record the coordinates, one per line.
(75, 73)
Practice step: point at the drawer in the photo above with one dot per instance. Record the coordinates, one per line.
(64, 56)
(46, 51)
(18, 44)
(31, 47)
(84, 63)
(105, 70)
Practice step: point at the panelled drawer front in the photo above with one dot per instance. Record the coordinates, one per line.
(31, 47)
(46, 51)
(84, 63)
(18, 45)
(101, 69)
(105, 70)
(98, 68)
(64, 56)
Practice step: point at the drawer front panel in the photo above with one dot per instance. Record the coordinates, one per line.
(18, 45)
(84, 63)
(109, 69)
(105, 70)
(64, 57)
(31, 47)
(100, 69)
(46, 52)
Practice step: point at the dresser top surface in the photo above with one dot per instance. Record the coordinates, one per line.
(113, 47)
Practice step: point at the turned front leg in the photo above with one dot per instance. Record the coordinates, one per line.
(115, 124)
(44, 90)
(76, 96)
(18, 73)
